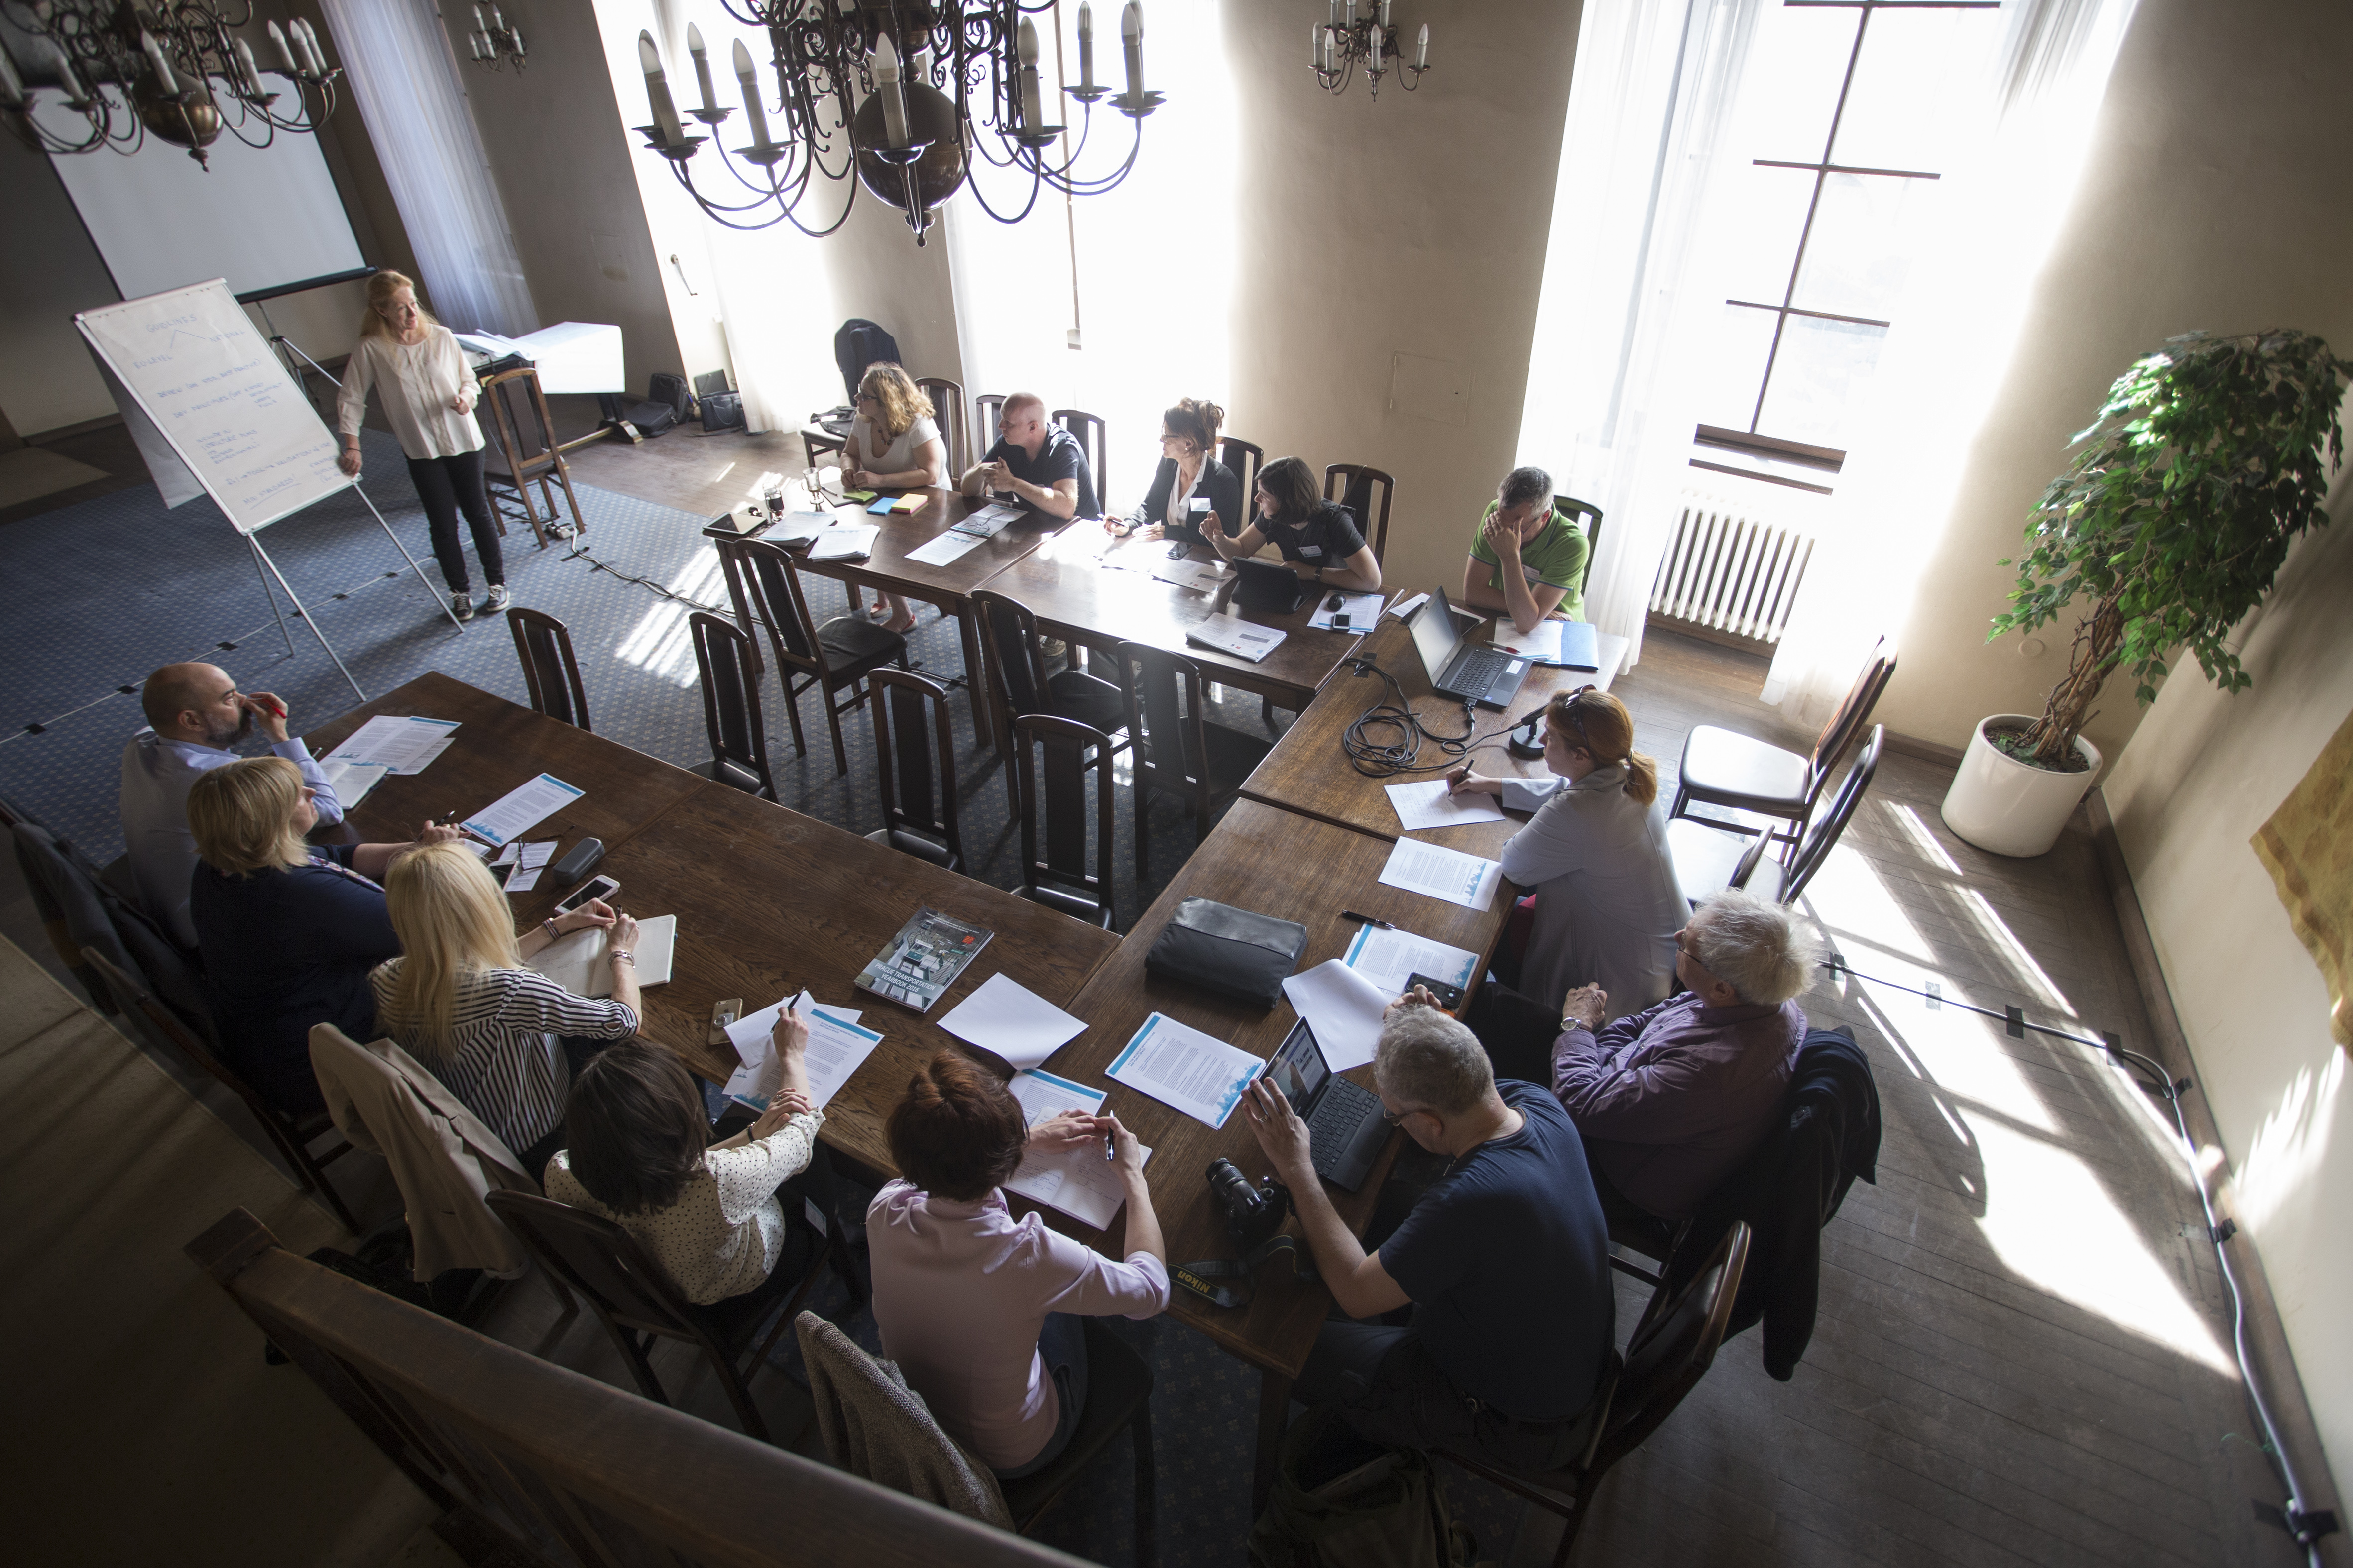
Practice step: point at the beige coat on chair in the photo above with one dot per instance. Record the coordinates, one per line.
(442, 1156)
(876, 1427)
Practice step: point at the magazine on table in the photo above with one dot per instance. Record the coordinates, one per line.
(923, 959)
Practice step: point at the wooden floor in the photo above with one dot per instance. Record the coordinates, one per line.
(2023, 1349)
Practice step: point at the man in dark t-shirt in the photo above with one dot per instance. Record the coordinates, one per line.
(1505, 1261)
(1043, 464)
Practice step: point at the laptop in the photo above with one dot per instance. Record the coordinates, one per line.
(1346, 1128)
(1467, 672)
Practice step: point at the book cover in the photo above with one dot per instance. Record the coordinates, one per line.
(923, 959)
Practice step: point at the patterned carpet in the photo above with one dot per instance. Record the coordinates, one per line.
(113, 587)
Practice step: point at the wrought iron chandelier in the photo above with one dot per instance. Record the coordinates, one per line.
(174, 69)
(493, 43)
(1339, 46)
(907, 94)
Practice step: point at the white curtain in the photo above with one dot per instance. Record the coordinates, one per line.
(404, 75)
(1151, 299)
(1956, 326)
(1629, 290)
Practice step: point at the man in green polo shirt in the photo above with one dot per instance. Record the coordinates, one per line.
(1527, 561)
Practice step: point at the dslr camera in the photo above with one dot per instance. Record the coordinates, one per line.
(1251, 1213)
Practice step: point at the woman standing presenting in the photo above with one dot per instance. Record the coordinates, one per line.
(429, 396)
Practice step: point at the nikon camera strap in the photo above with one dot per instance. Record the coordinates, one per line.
(1202, 1279)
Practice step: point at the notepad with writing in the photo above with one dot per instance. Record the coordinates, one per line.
(580, 962)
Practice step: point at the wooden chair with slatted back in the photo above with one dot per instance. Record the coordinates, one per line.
(1095, 436)
(1177, 751)
(1055, 865)
(1245, 459)
(1344, 479)
(551, 671)
(1586, 516)
(1724, 768)
(834, 658)
(1018, 683)
(731, 707)
(914, 746)
(525, 453)
(986, 410)
(948, 412)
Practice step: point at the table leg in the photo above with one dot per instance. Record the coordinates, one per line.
(1273, 1416)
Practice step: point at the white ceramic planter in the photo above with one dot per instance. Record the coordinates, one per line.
(2001, 805)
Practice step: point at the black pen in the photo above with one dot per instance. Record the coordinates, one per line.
(1365, 919)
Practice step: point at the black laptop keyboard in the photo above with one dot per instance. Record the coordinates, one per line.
(1478, 668)
(1333, 1127)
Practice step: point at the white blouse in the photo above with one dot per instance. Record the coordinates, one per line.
(419, 381)
(900, 455)
(726, 1230)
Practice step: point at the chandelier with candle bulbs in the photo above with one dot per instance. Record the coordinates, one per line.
(175, 69)
(1337, 47)
(493, 43)
(908, 96)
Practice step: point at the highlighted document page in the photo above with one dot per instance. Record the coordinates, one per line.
(1078, 1182)
(838, 1048)
(1181, 1066)
(520, 810)
(1447, 874)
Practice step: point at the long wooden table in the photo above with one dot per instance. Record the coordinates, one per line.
(768, 899)
(1309, 771)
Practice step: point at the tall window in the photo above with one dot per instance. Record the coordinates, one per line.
(1847, 113)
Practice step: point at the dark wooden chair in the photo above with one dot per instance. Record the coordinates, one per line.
(731, 707)
(525, 453)
(292, 1135)
(1177, 751)
(1670, 1351)
(1097, 439)
(1722, 768)
(1056, 868)
(833, 658)
(551, 672)
(637, 1305)
(1245, 459)
(919, 804)
(1342, 480)
(1020, 685)
(948, 412)
(1586, 516)
(986, 410)
(1700, 850)
(817, 441)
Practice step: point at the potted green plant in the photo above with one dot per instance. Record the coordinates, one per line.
(2205, 464)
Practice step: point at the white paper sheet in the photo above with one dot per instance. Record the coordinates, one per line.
(988, 520)
(845, 541)
(1007, 1019)
(1178, 1066)
(1447, 874)
(1388, 958)
(578, 959)
(404, 744)
(1426, 804)
(1343, 1007)
(354, 781)
(796, 526)
(947, 547)
(1196, 575)
(1240, 639)
(1410, 606)
(1543, 643)
(522, 810)
(529, 856)
(1363, 610)
(838, 1048)
(1078, 1182)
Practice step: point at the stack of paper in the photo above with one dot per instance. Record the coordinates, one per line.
(1388, 958)
(1240, 639)
(1011, 1022)
(836, 1049)
(405, 745)
(845, 541)
(797, 526)
(352, 780)
(1363, 610)
(520, 810)
(1343, 1007)
(1427, 805)
(1542, 644)
(528, 861)
(1447, 874)
(1178, 1066)
(1080, 1182)
(579, 961)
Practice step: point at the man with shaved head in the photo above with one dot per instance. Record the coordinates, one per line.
(1043, 464)
(195, 714)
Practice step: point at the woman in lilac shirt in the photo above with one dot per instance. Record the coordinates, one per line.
(981, 1311)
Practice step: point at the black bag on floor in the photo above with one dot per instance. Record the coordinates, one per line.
(1341, 1502)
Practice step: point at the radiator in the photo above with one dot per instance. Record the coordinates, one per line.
(1729, 572)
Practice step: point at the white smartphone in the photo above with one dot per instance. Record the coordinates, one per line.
(593, 888)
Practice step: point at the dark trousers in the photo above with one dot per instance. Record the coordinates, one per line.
(447, 485)
(1382, 1381)
(1519, 1032)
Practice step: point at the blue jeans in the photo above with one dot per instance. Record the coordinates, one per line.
(1062, 1344)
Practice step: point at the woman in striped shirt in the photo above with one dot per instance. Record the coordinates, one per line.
(460, 1001)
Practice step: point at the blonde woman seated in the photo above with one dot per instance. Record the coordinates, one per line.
(289, 930)
(894, 444)
(1318, 539)
(636, 1154)
(1596, 853)
(459, 1000)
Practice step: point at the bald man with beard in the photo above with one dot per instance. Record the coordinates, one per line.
(194, 715)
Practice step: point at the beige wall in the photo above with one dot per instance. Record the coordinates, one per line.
(48, 270)
(2217, 196)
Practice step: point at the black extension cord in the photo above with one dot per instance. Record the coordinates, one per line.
(1381, 759)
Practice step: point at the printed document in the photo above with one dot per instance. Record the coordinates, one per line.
(1447, 874)
(1181, 1066)
(579, 961)
(838, 1048)
(1240, 639)
(1542, 644)
(1201, 575)
(845, 542)
(1388, 957)
(352, 780)
(795, 527)
(1343, 1007)
(947, 547)
(1363, 610)
(1427, 805)
(404, 745)
(528, 861)
(1008, 1020)
(1080, 1182)
(522, 810)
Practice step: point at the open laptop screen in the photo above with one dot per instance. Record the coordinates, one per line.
(1299, 1069)
(1434, 636)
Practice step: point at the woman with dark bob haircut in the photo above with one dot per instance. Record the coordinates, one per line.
(1318, 539)
(638, 1157)
(981, 1312)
